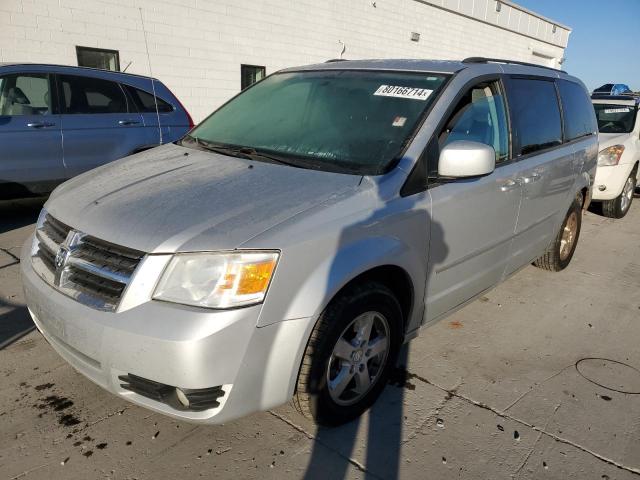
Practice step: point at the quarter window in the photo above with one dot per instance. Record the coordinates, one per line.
(86, 95)
(535, 115)
(98, 58)
(250, 74)
(145, 102)
(25, 94)
(480, 117)
(579, 119)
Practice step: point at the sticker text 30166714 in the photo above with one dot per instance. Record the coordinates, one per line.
(403, 92)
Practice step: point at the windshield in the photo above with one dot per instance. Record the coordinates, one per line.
(343, 121)
(615, 118)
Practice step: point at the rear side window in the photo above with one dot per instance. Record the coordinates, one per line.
(579, 119)
(86, 95)
(535, 115)
(145, 103)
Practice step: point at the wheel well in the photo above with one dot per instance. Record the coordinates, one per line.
(583, 193)
(395, 279)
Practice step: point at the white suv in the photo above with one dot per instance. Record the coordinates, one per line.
(617, 174)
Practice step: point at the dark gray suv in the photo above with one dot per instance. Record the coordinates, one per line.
(57, 122)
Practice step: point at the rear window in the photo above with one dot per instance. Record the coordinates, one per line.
(579, 119)
(145, 103)
(535, 115)
(614, 118)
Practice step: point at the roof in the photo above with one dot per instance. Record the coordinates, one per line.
(71, 67)
(435, 66)
(411, 65)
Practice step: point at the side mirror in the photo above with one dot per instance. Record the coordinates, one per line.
(462, 158)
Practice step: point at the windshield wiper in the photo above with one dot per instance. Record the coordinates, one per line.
(248, 153)
(257, 155)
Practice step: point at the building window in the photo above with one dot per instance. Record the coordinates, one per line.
(250, 74)
(98, 58)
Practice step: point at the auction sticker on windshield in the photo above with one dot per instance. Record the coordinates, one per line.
(403, 92)
(617, 110)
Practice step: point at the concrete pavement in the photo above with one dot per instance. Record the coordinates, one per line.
(492, 392)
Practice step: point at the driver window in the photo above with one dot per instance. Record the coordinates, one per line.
(25, 94)
(480, 116)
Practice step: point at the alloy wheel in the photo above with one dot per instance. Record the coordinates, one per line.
(569, 234)
(358, 358)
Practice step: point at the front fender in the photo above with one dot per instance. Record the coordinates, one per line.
(310, 296)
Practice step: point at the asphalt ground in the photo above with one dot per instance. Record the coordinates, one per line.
(538, 379)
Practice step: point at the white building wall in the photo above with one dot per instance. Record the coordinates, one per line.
(196, 46)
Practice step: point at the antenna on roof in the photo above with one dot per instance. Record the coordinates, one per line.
(153, 83)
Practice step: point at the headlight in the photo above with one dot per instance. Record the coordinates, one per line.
(610, 155)
(39, 224)
(217, 280)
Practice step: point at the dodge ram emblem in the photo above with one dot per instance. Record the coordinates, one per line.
(61, 257)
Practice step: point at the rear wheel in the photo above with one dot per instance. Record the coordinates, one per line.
(560, 252)
(619, 206)
(350, 354)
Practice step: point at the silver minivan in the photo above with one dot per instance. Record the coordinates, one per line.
(292, 242)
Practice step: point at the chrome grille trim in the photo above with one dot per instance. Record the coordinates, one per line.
(91, 271)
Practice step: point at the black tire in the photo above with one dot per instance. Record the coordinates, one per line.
(312, 398)
(618, 207)
(552, 259)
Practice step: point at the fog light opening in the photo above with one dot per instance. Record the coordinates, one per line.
(182, 397)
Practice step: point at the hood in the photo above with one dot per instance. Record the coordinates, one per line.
(173, 198)
(609, 139)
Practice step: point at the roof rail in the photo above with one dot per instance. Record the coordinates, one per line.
(332, 60)
(501, 60)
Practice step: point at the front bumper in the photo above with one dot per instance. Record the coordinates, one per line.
(190, 348)
(611, 177)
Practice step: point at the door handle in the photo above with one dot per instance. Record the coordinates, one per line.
(40, 124)
(509, 185)
(533, 178)
(128, 122)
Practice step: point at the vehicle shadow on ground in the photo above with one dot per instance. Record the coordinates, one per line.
(19, 213)
(385, 421)
(15, 323)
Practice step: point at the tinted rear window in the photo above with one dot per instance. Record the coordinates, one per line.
(579, 119)
(535, 115)
(145, 103)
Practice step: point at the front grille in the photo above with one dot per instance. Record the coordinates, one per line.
(90, 270)
(199, 399)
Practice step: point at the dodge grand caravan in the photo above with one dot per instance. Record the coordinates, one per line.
(294, 240)
(58, 121)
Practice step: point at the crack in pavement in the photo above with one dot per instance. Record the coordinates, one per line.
(15, 257)
(504, 414)
(536, 385)
(535, 444)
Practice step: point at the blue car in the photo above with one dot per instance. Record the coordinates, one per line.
(57, 122)
(613, 89)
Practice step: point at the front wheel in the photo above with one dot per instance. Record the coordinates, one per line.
(619, 206)
(560, 252)
(350, 354)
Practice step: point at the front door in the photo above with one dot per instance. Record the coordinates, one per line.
(30, 138)
(476, 216)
